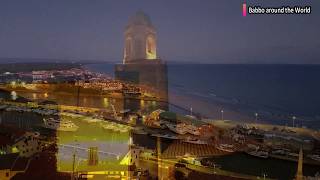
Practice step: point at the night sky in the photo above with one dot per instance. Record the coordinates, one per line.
(203, 31)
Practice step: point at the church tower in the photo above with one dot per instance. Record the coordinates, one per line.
(140, 39)
(140, 64)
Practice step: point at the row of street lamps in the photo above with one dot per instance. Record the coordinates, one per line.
(256, 117)
(255, 114)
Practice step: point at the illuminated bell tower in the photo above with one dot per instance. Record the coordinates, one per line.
(140, 64)
(140, 39)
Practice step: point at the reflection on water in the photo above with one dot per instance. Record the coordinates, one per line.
(96, 101)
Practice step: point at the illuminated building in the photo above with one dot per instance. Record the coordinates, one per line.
(140, 39)
(27, 145)
(41, 75)
(141, 65)
(132, 157)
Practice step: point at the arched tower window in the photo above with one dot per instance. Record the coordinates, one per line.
(140, 39)
(151, 47)
(128, 49)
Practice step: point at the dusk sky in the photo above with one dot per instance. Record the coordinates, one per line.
(204, 31)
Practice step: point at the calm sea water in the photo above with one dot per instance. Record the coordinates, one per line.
(276, 92)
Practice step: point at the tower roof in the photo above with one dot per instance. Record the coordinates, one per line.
(140, 18)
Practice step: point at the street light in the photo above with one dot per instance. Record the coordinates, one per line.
(222, 114)
(293, 119)
(256, 115)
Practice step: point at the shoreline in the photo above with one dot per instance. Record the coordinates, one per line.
(228, 124)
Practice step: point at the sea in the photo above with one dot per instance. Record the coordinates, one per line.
(275, 93)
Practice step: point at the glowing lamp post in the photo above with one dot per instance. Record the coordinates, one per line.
(222, 114)
(293, 119)
(256, 115)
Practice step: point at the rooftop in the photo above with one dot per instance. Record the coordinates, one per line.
(140, 18)
(13, 162)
